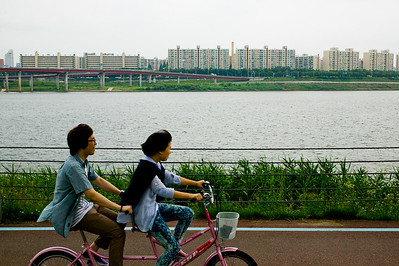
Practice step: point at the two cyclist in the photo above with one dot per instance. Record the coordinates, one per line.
(69, 209)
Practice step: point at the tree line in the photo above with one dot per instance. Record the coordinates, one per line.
(286, 72)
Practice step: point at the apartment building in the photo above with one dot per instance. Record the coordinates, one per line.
(250, 58)
(198, 58)
(109, 61)
(311, 62)
(337, 60)
(264, 58)
(49, 61)
(88, 61)
(374, 60)
(397, 62)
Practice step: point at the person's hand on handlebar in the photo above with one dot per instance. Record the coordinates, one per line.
(127, 209)
(196, 197)
(200, 183)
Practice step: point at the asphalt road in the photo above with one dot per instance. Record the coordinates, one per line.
(280, 247)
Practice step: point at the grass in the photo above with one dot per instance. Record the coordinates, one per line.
(200, 85)
(292, 189)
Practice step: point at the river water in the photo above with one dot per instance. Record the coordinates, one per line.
(292, 119)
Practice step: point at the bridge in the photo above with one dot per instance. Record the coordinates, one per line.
(31, 73)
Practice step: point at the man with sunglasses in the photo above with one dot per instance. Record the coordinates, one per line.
(69, 209)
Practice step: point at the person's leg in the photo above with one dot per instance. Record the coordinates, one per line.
(160, 231)
(184, 216)
(102, 221)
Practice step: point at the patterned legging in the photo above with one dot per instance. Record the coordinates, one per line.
(160, 230)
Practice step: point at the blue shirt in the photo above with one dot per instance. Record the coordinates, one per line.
(146, 210)
(71, 182)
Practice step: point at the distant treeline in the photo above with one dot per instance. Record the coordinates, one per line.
(280, 72)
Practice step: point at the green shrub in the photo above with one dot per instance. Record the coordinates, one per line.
(292, 189)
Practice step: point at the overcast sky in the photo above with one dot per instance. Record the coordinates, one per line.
(151, 27)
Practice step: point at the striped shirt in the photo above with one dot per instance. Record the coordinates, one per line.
(84, 206)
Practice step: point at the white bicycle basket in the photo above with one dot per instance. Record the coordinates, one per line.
(227, 224)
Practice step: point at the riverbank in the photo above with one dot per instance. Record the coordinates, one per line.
(206, 85)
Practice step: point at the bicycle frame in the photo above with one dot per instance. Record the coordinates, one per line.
(205, 246)
(213, 240)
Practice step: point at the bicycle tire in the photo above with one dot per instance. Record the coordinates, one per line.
(55, 258)
(233, 258)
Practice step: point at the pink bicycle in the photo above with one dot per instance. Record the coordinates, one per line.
(221, 256)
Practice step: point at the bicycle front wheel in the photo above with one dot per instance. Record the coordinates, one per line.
(233, 258)
(55, 258)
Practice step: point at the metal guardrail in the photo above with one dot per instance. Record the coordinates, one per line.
(395, 196)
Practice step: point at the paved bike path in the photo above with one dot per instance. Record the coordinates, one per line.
(268, 242)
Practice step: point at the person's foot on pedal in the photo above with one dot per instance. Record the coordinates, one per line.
(99, 261)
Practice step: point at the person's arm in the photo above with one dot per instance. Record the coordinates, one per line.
(160, 189)
(189, 182)
(106, 186)
(189, 196)
(103, 201)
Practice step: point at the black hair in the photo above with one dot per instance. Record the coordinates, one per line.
(156, 142)
(78, 138)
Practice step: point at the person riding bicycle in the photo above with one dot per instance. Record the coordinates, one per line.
(148, 182)
(69, 209)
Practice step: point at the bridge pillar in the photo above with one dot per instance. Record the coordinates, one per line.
(20, 81)
(130, 80)
(178, 80)
(102, 80)
(57, 82)
(31, 82)
(141, 79)
(66, 81)
(214, 81)
(6, 82)
(149, 79)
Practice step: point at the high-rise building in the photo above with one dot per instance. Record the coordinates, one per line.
(198, 58)
(337, 60)
(397, 62)
(49, 61)
(373, 60)
(311, 62)
(1, 62)
(110, 61)
(88, 61)
(264, 58)
(9, 59)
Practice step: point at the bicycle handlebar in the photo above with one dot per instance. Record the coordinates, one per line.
(207, 194)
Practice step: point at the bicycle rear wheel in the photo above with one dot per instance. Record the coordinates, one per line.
(233, 258)
(55, 258)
